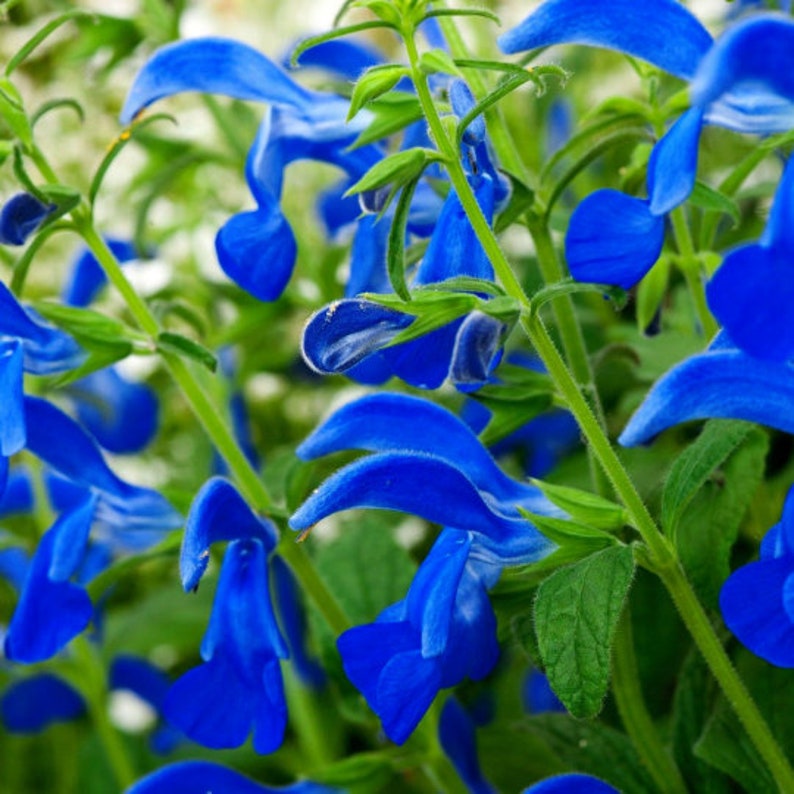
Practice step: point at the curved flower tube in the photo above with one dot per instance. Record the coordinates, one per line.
(442, 632)
(187, 777)
(720, 383)
(757, 600)
(257, 249)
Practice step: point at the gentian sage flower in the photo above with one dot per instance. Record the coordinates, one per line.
(457, 737)
(573, 783)
(27, 344)
(757, 600)
(31, 704)
(614, 238)
(20, 216)
(257, 248)
(443, 631)
(189, 777)
(427, 462)
(238, 688)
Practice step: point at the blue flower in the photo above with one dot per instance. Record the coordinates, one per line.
(52, 609)
(27, 344)
(456, 734)
(427, 462)
(188, 777)
(757, 600)
(20, 216)
(572, 783)
(741, 81)
(442, 632)
(239, 688)
(257, 248)
(752, 292)
(33, 703)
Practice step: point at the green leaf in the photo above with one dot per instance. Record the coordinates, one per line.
(98, 358)
(583, 506)
(592, 748)
(438, 62)
(709, 528)
(579, 540)
(365, 568)
(694, 695)
(29, 46)
(376, 81)
(651, 292)
(64, 197)
(13, 113)
(93, 330)
(188, 348)
(576, 614)
(521, 200)
(395, 248)
(506, 418)
(336, 33)
(707, 198)
(363, 773)
(725, 744)
(463, 12)
(383, 9)
(396, 169)
(570, 287)
(116, 148)
(692, 469)
(391, 113)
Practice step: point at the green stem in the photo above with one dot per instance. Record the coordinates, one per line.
(306, 722)
(691, 267)
(247, 478)
(94, 687)
(635, 717)
(662, 554)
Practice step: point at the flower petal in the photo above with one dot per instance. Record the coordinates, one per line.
(404, 423)
(751, 294)
(660, 31)
(30, 705)
(572, 783)
(752, 605)
(673, 164)
(346, 58)
(20, 217)
(613, 238)
(750, 67)
(399, 481)
(344, 333)
(456, 734)
(189, 777)
(257, 251)
(51, 610)
(720, 384)
(213, 66)
(12, 419)
(477, 351)
(218, 513)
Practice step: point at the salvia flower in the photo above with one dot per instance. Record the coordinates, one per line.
(257, 248)
(757, 600)
(573, 783)
(442, 632)
(20, 216)
(188, 777)
(741, 81)
(239, 688)
(33, 703)
(27, 344)
(427, 462)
